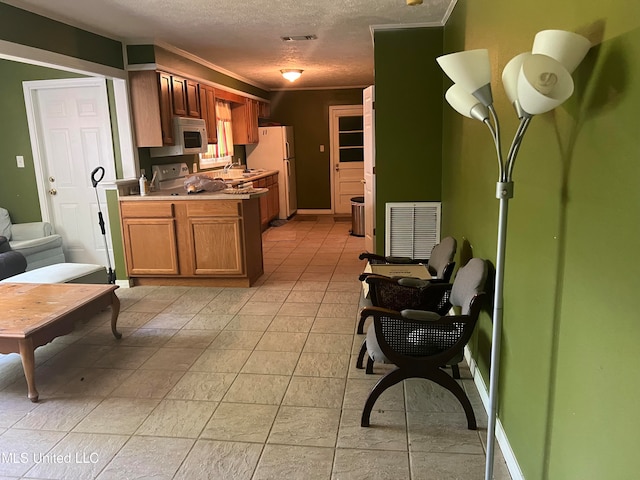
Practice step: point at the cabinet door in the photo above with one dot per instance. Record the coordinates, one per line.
(244, 122)
(217, 245)
(150, 246)
(166, 109)
(208, 111)
(193, 98)
(179, 93)
(264, 110)
(273, 198)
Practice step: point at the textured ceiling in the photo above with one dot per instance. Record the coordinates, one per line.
(243, 36)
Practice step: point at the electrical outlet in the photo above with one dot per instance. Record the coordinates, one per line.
(321, 148)
(20, 161)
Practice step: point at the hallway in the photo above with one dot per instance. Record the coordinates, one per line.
(229, 383)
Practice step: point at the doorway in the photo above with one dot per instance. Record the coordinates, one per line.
(347, 156)
(70, 130)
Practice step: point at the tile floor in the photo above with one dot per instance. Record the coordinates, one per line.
(227, 383)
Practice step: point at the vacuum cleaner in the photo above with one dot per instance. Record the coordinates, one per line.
(111, 274)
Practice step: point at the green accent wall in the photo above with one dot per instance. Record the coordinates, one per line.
(140, 54)
(408, 119)
(26, 28)
(568, 387)
(308, 112)
(18, 188)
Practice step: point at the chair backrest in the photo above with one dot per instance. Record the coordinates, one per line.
(469, 281)
(5, 223)
(441, 255)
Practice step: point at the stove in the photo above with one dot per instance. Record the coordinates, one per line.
(170, 175)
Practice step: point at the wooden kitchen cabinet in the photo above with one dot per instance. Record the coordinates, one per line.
(186, 97)
(192, 242)
(269, 203)
(244, 122)
(208, 111)
(149, 236)
(264, 110)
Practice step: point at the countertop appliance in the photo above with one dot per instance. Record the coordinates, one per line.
(275, 151)
(189, 135)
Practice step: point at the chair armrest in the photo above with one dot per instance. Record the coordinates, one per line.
(30, 230)
(421, 315)
(413, 282)
(371, 256)
(4, 244)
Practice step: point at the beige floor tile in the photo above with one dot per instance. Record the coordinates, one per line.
(125, 357)
(328, 343)
(177, 418)
(370, 465)
(289, 462)
(209, 321)
(188, 338)
(84, 456)
(349, 286)
(13, 408)
(322, 365)
(311, 285)
(283, 285)
(147, 384)
(334, 325)
(58, 414)
(220, 460)
(262, 389)
(172, 359)
(254, 308)
(316, 276)
(241, 422)
(76, 355)
(270, 295)
(271, 363)
(447, 466)
(305, 296)
(134, 319)
(315, 392)
(150, 305)
(442, 432)
(338, 310)
(96, 382)
(221, 361)
(347, 298)
(187, 304)
(287, 323)
(49, 379)
(316, 427)
(282, 341)
(148, 457)
(299, 309)
(202, 386)
(117, 416)
(388, 430)
(171, 320)
(427, 396)
(236, 340)
(148, 337)
(23, 448)
(253, 322)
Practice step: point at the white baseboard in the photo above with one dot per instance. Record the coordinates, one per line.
(124, 283)
(503, 442)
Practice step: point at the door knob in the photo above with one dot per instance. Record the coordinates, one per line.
(51, 179)
(53, 191)
(337, 167)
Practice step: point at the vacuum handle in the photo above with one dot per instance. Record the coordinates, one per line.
(95, 181)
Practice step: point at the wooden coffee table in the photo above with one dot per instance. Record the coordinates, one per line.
(33, 314)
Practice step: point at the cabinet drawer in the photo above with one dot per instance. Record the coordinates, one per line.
(214, 208)
(271, 179)
(146, 209)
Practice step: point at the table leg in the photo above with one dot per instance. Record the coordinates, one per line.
(29, 366)
(115, 311)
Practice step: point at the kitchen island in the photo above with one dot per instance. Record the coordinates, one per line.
(204, 239)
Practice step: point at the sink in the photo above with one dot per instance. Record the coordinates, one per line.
(232, 174)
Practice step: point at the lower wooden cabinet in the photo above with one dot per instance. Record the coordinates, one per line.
(269, 203)
(192, 242)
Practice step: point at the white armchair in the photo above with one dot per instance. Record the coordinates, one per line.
(35, 240)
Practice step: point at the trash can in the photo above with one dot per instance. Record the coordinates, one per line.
(357, 216)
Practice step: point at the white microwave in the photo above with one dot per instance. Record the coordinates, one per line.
(189, 135)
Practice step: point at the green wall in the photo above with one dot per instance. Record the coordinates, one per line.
(568, 386)
(26, 28)
(18, 188)
(308, 112)
(408, 119)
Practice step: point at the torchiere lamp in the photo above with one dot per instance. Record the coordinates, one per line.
(535, 82)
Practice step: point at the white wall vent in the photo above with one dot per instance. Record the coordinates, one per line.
(412, 229)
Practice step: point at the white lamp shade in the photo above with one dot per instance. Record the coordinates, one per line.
(292, 75)
(510, 75)
(469, 69)
(566, 47)
(543, 84)
(465, 104)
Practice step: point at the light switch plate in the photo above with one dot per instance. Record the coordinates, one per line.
(20, 161)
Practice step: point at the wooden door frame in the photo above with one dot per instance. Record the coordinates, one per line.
(335, 112)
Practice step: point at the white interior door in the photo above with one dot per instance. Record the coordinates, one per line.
(72, 136)
(369, 172)
(347, 155)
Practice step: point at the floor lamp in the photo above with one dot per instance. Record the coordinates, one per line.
(535, 82)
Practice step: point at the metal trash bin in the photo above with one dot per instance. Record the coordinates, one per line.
(357, 216)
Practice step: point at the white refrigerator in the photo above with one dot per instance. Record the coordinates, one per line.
(274, 151)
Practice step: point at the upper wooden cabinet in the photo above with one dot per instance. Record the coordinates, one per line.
(186, 97)
(208, 111)
(244, 121)
(264, 110)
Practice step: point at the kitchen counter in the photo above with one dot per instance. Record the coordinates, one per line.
(180, 194)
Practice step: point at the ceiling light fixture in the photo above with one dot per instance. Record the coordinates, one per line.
(291, 74)
(411, 3)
